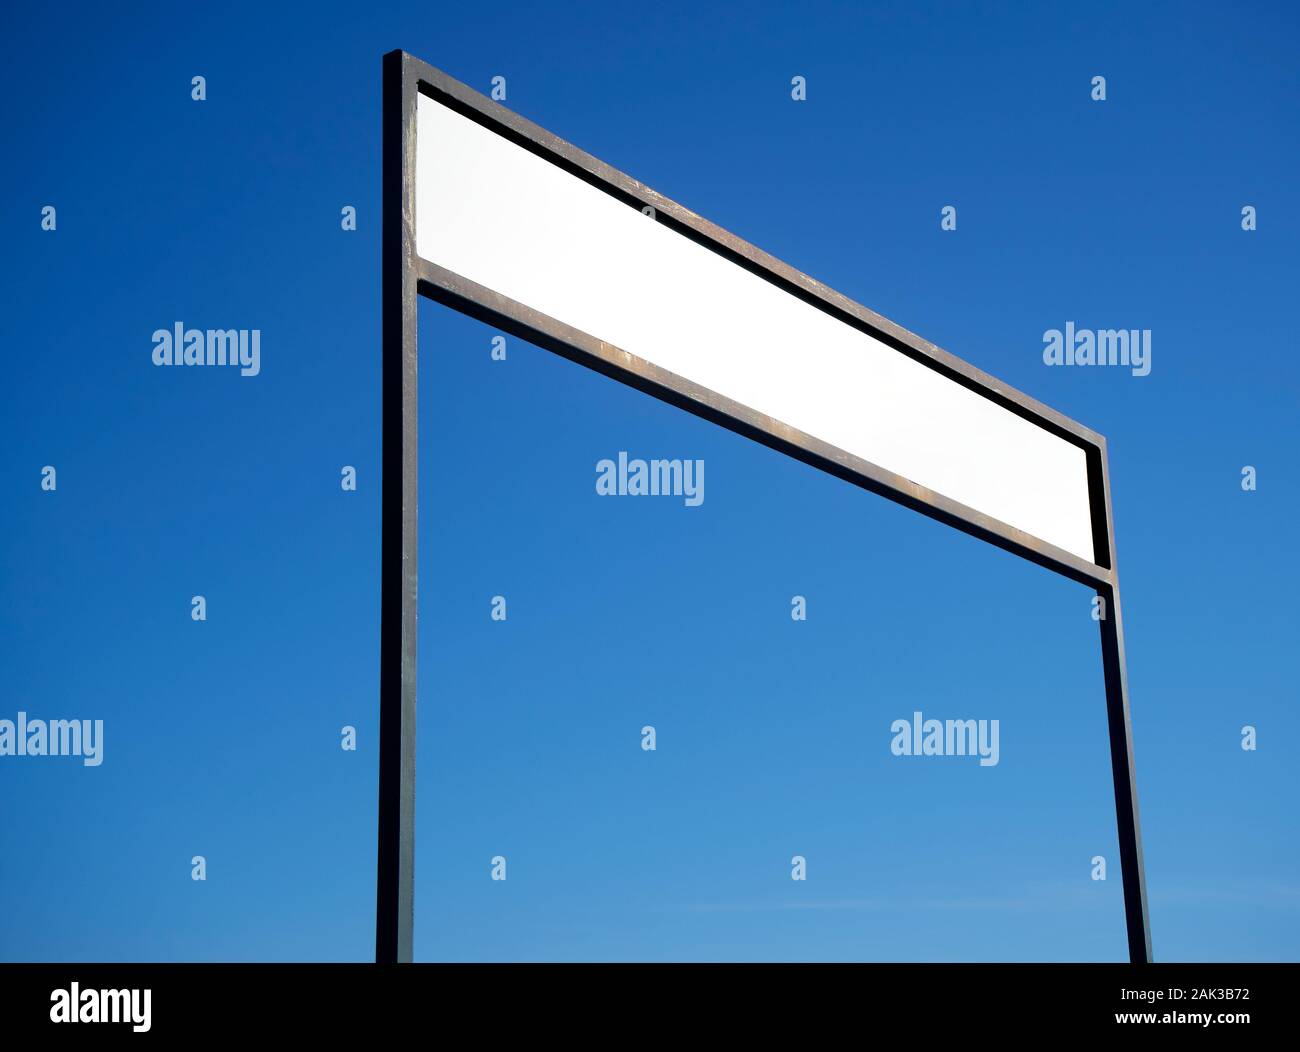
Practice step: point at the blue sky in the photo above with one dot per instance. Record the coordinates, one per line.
(222, 737)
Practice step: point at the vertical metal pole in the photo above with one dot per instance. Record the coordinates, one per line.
(1121, 726)
(394, 891)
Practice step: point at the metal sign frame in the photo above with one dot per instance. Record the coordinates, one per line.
(407, 276)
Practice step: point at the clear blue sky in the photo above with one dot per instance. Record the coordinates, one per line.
(222, 737)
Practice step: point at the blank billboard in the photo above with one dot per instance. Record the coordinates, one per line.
(503, 217)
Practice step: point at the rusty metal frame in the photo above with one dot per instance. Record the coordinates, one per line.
(406, 276)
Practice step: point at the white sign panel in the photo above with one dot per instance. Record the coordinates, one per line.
(509, 220)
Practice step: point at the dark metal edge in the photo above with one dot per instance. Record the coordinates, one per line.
(395, 864)
(1120, 723)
